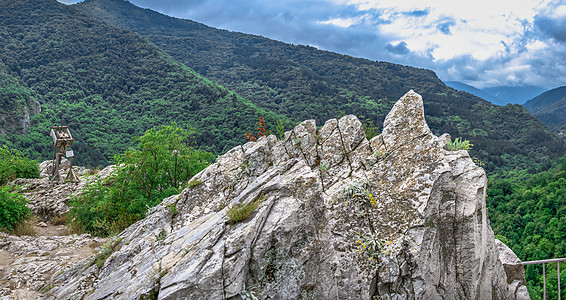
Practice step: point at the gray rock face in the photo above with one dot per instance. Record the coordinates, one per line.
(48, 200)
(28, 264)
(513, 269)
(338, 217)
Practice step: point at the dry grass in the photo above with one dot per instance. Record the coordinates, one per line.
(60, 220)
(93, 171)
(26, 228)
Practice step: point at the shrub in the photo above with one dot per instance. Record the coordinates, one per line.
(162, 165)
(369, 128)
(458, 144)
(14, 165)
(240, 212)
(13, 209)
(106, 250)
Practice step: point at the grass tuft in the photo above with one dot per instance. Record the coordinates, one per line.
(240, 212)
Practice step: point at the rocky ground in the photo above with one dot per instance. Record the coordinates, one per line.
(29, 263)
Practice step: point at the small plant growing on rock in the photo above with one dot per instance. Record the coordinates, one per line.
(478, 162)
(359, 191)
(193, 183)
(107, 249)
(458, 144)
(261, 130)
(240, 212)
(371, 245)
(379, 154)
(172, 207)
(280, 130)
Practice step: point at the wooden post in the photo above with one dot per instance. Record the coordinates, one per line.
(62, 140)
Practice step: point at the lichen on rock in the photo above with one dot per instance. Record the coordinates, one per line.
(341, 217)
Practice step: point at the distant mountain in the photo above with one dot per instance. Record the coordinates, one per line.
(550, 108)
(302, 82)
(460, 86)
(107, 83)
(500, 95)
(514, 94)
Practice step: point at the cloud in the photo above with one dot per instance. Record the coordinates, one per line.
(444, 26)
(554, 28)
(400, 48)
(483, 42)
(418, 13)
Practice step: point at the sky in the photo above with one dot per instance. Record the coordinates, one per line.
(484, 43)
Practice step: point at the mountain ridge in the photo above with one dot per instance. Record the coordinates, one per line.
(550, 108)
(302, 82)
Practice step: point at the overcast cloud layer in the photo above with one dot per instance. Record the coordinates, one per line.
(484, 43)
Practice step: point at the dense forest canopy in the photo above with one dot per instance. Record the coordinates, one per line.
(302, 82)
(528, 212)
(107, 84)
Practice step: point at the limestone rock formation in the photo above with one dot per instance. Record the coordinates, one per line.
(338, 217)
(28, 264)
(48, 200)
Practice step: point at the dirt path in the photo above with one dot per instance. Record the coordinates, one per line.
(27, 263)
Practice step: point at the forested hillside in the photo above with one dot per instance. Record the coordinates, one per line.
(529, 211)
(17, 102)
(550, 108)
(302, 82)
(108, 84)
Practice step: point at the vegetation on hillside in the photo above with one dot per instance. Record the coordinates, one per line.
(550, 108)
(528, 212)
(161, 167)
(17, 103)
(13, 210)
(108, 84)
(14, 165)
(302, 82)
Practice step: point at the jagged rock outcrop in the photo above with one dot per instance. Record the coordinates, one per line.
(338, 217)
(513, 269)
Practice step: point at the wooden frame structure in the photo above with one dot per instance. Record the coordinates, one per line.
(62, 141)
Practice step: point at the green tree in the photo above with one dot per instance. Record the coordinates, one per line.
(160, 167)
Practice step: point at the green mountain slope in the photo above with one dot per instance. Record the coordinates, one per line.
(550, 108)
(529, 210)
(108, 84)
(302, 82)
(17, 102)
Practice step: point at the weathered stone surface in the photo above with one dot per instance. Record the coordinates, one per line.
(513, 269)
(47, 200)
(28, 264)
(339, 217)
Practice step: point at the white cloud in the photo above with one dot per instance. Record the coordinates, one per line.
(342, 22)
(481, 42)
